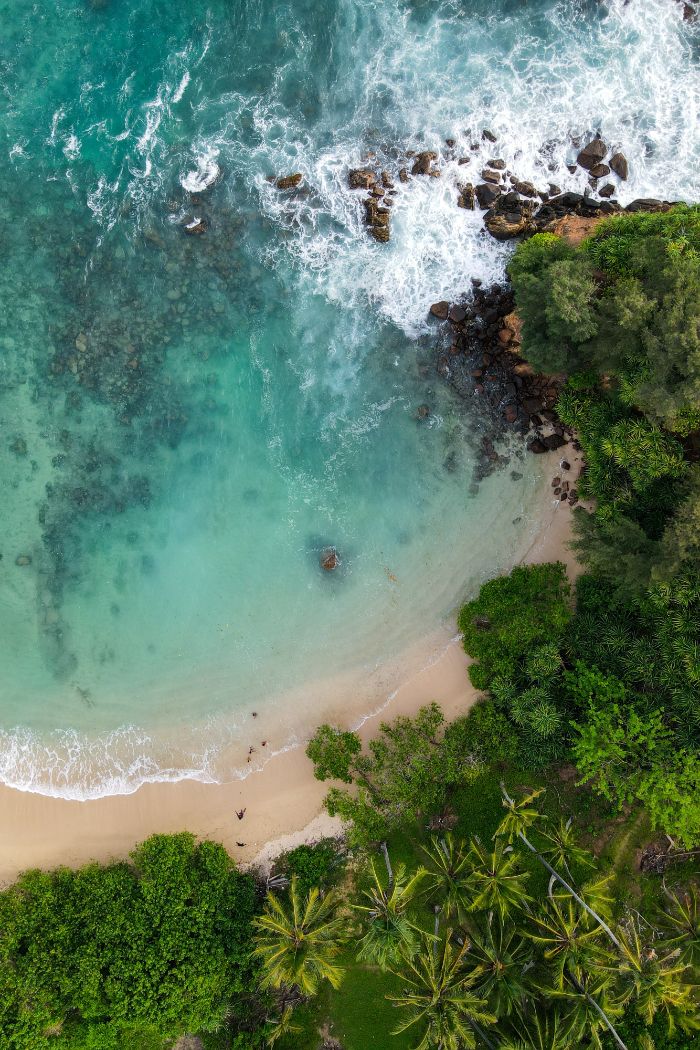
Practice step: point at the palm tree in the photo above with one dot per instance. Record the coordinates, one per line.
(390, 933)
(519, 818)
(591, 1006)
(563, 849)
(437, 999)
(297, 943)
(541, 1030)
(567, 941)
(281, 1026)
(495, 881)
(499, 959)
(446, 870)
(682, 925)
(655, 982)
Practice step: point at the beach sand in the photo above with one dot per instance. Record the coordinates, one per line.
(282, 800)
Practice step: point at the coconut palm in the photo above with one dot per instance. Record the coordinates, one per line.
(655, 982)
(447, 866)
(567, 941)
(592, 1006)
(495, 881)
(297, 943)
(390, 934)
(281, 1026)
(437, 1000)
(520, 817)
(563, 850)
(539, 1030)
(681, 919)
(499, 959)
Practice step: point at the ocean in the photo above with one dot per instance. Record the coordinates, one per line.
(188, 421)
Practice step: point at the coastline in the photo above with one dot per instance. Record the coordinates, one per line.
(281, 799)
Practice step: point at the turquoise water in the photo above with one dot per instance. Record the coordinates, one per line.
(187, 421)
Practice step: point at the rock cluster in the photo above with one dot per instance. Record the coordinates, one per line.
(377, 204)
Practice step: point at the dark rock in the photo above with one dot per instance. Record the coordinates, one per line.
(329, 559)
(555, 482)
(19, 447)
(600, 171)
(457, 313)
(423, 163)
(592, 154)
(498, 164)
(361, 178)
(618, 163)
(450, 142)
(423, 412)
(648, 204)
(689, 13)
(464, 160)
(289, 182)
(554, 190)
(488, 136)
(536, 446)
(526, 189)
(490, 176)
(386, 181)
(503, 227)
(440, 310)
(532, 405)
(571, 168)
(607, 190)
(466, 197)
(486, 194)
(403, 175)
(553, 442)
(196, 226)
(510, 413)
(565, 465)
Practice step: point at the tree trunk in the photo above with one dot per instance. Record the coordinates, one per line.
(389, 869)
(598, 1009)
(552, 871)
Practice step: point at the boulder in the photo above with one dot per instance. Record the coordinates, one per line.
(440, 310)
(536, 446)
(526, 189)
(503, 227)
(423, 163)
(423, 412)
(466, 197)
(607, 190)
(600, 171)
(553, 442)
(288, 182)
(498, 164)
(196, 226)
(592, 154)
(329, 559)
(488, 136)
(403, 175)
(361, 178)
(648, 204)
(486, 194)
(618, 163)
(490, 176)
(457, 313)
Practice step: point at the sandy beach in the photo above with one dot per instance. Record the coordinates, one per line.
(282, 802)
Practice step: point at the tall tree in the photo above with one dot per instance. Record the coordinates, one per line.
(298, 943)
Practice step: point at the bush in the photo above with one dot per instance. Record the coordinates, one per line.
(127, 954)
(313, 865)
(511, 618)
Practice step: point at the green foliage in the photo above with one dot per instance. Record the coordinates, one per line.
(332, 752)
(410, 768)
(143, 951)
(511, 617)
(298, 942)
(312, 865)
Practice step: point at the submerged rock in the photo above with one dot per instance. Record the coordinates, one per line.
(196, 226)
(330, 559)
(288, 182)
(23, 559)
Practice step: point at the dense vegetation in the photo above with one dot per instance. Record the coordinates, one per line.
(468, 909)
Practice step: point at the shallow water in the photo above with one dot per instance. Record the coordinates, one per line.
(187, 421)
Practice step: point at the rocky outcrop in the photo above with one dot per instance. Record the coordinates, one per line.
(592, 154)
(618, 163)
(289, 182)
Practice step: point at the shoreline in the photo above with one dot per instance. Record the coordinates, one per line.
(281, 799)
